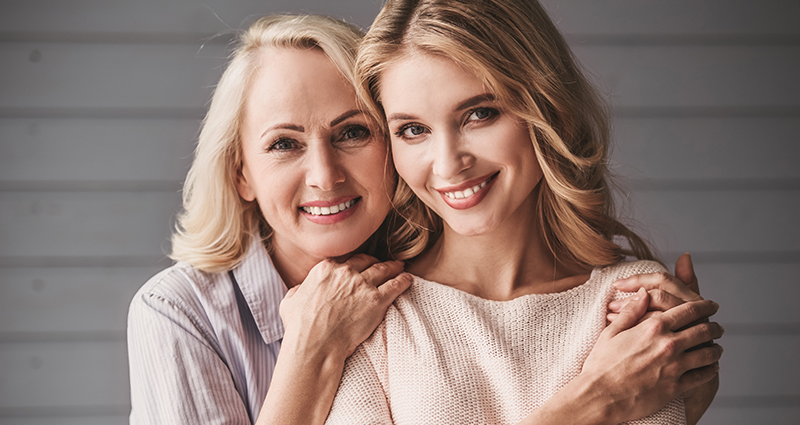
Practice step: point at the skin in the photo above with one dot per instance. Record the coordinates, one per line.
(449, 134)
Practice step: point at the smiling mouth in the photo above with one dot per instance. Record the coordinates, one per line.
(333, 209)
(462, 194)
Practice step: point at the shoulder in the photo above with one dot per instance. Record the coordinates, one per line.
(627, 269)
(176, 295)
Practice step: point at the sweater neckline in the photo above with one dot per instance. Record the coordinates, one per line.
(571, 292)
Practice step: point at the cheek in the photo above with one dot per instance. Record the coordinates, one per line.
(409, 164)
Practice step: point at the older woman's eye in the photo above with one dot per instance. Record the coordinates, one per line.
(282, 145)
(410, 131)
(356, 132)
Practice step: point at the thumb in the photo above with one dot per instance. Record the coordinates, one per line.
(684, 270)
(631, 313)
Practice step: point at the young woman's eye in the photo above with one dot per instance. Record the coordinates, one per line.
(410, 131)
(282, 145)
(481, 114)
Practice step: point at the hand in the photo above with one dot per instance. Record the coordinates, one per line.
(667, 292)
(338, 305)
(642, 367)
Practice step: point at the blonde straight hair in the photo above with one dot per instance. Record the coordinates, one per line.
(516, 50)
(216, 225)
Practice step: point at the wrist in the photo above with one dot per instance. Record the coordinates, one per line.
(582, 401)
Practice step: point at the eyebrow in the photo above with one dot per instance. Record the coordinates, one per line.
(336, 121)
(284, 126)
(301, 129)
(472, 101)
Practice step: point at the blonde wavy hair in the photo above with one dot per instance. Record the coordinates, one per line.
(216, 225)
(516, 50)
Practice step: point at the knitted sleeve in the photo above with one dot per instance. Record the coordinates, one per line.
(361, 398)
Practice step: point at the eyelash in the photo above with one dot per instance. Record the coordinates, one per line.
(274, 145)
(364, 133)
(400, 133)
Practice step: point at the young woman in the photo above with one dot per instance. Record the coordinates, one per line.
(289, 180)
(503, 143)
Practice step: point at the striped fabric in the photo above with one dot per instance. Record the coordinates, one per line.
(202, 347)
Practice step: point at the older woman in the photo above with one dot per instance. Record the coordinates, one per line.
(289, 190)
(287, 174)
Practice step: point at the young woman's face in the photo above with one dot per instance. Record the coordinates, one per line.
(459, 151)
(309, 156)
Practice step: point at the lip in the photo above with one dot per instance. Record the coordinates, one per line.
(331, 218)
(465, 203)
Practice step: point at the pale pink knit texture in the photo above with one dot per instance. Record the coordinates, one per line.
(443, 356)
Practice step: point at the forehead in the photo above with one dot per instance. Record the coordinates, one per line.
(292, 84)
(411, 79)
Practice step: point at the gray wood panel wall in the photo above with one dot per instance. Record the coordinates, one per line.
(100, 104)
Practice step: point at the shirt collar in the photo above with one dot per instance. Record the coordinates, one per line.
(263, 289)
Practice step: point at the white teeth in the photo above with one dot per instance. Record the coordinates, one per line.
(329, 210)
(467, 193)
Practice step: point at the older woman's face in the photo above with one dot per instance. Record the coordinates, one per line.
(309, 156)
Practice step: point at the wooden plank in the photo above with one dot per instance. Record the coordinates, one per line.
(86, 301)
(73, 75)
(147, 149)
(748, 416)
(63, 375)
(174, 16)
(45, 224)
(69, 375)
(584, 17)
(731, 221)
(695, 76)
(60, 420)
(42, 150)
(178, 76)
(78, 300)
(676, 17)
(759, 294)
(711, 148)
(762, 366)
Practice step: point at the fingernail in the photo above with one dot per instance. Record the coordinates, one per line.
(618, 282)
(722, 328)
(639, 294)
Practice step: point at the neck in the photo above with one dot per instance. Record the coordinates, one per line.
(293, 264)
(504, 263)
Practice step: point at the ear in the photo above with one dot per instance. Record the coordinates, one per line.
(244, 187)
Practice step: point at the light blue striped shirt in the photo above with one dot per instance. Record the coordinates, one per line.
(202, 347)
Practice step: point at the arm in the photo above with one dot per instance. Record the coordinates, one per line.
(336, 308)
(667, 292)
(623, 379)
(176, 374)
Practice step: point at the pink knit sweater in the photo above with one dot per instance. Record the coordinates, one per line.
(443, 356)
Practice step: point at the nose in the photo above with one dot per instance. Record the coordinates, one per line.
(323, 168)
(451, 155)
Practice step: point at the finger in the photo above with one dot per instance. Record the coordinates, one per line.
(630, 314)
(361, 262)
(612, 316)
(688, 313)
(696, 377)
(393, 288)
(663, 281)
(379, 273)
(699, 336)
(659, 301)
(702, 357)
(684, 271)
